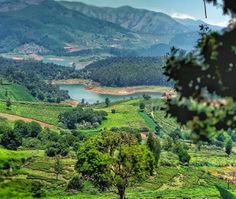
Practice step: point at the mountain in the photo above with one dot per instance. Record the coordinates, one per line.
(10, 5)
(160, 29)
(136, 20)
(193, 25)
(52, 28)
(77, 29)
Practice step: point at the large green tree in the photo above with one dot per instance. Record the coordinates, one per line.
(205, 80)
(114, 160)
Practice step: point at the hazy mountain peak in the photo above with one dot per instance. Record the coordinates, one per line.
(11, 5)
(136, 20)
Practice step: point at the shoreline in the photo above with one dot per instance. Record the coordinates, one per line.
(117, 91)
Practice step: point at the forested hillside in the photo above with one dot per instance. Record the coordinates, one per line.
(130, 71)
(136, 20)
(32, 75)
(56, 29)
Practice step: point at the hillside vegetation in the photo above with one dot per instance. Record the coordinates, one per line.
(51, 27)
(33, 166)
(14, 92)
(130, 71)
(32, 75)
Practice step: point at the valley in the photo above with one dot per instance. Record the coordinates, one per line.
(117, 99)
(31, 165)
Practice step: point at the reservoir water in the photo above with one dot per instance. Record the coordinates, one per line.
(78, 92)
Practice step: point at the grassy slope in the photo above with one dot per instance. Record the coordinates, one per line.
(126, 116)
(194, 182)
(15, 92)
(169, 183)
(39, 111)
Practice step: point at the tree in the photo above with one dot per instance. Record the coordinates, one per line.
(56, 149)
(146, 97)
(6, 93)
(10, 139)
(107, 101)
(76, 183)
(142, 106)
(83, 101)
(8, 103)
(69, 119)
(176, 134)
(114, 159)
(229, 147)
(34, 129)
(206, 97)
(155, 146)
(182, 151)
(58, 166)
(21, 128)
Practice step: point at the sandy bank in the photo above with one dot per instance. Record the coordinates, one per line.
(119, 91)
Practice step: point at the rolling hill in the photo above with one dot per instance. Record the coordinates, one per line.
(14, 91)
(121, 72)
(55, 29)
(136, 20)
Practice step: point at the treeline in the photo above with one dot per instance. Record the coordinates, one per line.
(82, 118)
(128, 71)
(32, 136)
(32, 75)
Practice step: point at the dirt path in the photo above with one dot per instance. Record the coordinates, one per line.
(16, 117)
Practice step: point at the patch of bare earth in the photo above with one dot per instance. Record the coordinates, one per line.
(16, 117)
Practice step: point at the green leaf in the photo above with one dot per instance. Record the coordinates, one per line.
(225, 194)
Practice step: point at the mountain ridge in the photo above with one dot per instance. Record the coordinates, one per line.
(136, 20)
(52, 26)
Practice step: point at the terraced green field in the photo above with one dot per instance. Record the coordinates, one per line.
(170, 182)
(14, 92)
(127, 115)
(44, 112)
(31, 168)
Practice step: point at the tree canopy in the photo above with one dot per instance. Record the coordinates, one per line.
(114, 159)
(205, 81)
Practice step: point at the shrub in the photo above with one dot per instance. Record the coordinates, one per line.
(36, 189)
(76, 183)
(56, 149)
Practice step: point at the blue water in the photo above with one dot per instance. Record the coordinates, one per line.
(65, 62)
(78, 92)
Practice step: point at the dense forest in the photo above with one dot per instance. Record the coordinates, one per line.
(32, 75)
(129, 71)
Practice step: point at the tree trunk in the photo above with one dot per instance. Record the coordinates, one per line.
(121, 192)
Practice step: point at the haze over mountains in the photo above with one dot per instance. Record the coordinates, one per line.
(65, 28)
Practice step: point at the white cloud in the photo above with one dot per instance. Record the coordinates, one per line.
(181, 16)
(220, 23)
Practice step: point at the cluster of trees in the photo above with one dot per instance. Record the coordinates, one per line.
(117, 159)
(32, 75)
(82, 118)
(127, 71)
(12, 138)
(175, 144)
(206, 97)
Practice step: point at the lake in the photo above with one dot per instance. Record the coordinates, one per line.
(78, 92)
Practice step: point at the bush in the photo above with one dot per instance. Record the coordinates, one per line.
(33, 143)
(36, 189)
(113, 111)
(56, 149)
(11, 140)
(76, 183)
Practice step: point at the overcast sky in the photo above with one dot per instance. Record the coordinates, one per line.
(177, 8)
